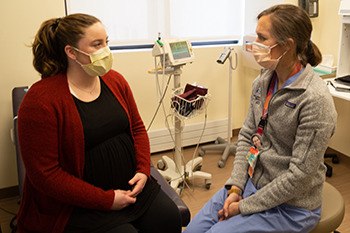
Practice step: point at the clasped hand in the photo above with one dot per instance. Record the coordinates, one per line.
(231, 207)
(123, 198)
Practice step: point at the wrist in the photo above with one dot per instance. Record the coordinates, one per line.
(235, 190)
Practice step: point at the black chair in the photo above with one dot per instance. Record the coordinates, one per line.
(17, 96)
(335, 160)
(184, 211)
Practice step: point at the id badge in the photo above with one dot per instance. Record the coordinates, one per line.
(252, 157)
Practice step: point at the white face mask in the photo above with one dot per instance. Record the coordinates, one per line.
(262, 55)
(101, 62)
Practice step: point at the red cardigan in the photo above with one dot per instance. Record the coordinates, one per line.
(52, 145)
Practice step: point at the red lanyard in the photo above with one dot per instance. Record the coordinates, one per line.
(269, 94)
(263, 119)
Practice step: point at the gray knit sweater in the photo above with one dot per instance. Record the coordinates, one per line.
(290, 168)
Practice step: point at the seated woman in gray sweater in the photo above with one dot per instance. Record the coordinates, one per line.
(277, 186)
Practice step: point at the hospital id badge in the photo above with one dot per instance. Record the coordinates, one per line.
(252, 157)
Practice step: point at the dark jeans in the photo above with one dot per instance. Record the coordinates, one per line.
(162, 216)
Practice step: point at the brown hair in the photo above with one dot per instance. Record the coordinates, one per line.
(51, 39)
(290, 21)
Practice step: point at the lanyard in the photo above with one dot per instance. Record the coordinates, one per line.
(263, 119)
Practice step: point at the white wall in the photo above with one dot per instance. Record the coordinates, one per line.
(19, 21)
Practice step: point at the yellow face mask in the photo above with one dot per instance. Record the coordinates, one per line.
(101, 62)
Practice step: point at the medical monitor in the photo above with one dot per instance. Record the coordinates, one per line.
(179, 51)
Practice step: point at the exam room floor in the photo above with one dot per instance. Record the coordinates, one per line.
(197, 195)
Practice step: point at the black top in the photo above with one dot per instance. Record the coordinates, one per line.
(109, 162)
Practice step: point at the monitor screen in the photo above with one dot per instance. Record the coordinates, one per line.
(179, 50)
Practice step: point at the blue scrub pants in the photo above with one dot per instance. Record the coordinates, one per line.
(283, 218)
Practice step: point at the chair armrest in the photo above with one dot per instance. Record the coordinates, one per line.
(184, 211)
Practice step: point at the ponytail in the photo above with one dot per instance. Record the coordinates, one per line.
(313, 54)
(46, 50)
(52, 37)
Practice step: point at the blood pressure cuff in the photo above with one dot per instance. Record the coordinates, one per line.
(199, 90)
(191, 93)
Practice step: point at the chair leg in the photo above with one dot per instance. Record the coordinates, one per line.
(335, 160)
(329, 171)
(334, 157)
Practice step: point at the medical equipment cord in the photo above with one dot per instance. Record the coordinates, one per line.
(161, 103)
(180, 151)
(235, 59)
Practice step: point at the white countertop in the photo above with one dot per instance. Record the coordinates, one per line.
(338, 94)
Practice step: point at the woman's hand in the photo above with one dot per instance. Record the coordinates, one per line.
(231, 207)
(233, 210)
(139, 181)
(122, 199)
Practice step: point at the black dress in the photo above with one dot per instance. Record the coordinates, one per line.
(109, 163)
